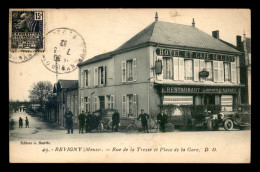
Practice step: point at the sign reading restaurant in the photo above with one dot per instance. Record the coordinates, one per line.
(193, 54)
(180, 89)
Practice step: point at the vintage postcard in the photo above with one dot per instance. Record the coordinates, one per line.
(129, 85)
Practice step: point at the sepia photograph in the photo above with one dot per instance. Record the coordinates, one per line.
(139, 85)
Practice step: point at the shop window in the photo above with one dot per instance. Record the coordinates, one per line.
(178, 100)
(188, 70)
(226, 102)
(227, 72)
(209, 69)
(87, 104)
(167, 68)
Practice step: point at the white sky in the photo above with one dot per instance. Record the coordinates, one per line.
(106, 29)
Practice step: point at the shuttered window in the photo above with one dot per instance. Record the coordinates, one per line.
(221, 71)
(82, 103)
(233, 72)
(112, 100)
(82, 79)
(202, 66)
(160, 76)
(181, 69)
(176, 68)
(134, 70)
(123, 66)
(95, 76)
(87, 104)
(124, 105)
(188, 70)
(216, 71)
(209, 69)
(167, 68)
(227, 72)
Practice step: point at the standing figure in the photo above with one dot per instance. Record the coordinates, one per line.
(26, 123)
(144, 120)
(12, 124)
(81, 118)
(162, 119)
(89, 123)
(115, 121)
(69, 120)
(20, 122)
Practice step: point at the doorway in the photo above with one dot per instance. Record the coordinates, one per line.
(209, 100)
(102, 102)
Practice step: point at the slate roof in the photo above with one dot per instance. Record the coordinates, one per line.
(167, 33)
(65, 84)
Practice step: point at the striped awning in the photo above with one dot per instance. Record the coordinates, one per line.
(178, 100)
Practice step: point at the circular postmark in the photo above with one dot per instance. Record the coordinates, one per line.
(19, 57)
(64, 49)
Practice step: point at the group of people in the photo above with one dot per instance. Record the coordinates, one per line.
(161, 118)
(86, 121)
(20, 122)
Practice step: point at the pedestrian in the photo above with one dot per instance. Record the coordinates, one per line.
(162, 119)
(69, 120)
(12, 124)
(89, 123)
(26, 123)
(115, 121)
(144, 120)
(81, 118)
(20, 122)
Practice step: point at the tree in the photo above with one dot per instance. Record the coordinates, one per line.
(40, 92)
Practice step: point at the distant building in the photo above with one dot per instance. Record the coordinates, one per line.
(245, 66)
(164, 64)
(67, 96)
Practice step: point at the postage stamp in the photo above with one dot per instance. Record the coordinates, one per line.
(66, 48)
(26, 34)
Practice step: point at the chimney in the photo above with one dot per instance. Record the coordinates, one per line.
(239, 42)
(156, 16)
(215, 34)
(193, 22)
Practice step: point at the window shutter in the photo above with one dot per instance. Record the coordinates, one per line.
(160, 76)
(238, 69)
(221, 72)
(89, 77)
(202, 66)
(181, 69)
(196, 70)
(82, 103)
(135, 105)
(134, 70)
(82, 79)
(105, 75)
(216, 75)
(123, 66)
(106, 102)
(112, 100)
(95, 76)
(124, 105)
(233, 72)
(176, 68)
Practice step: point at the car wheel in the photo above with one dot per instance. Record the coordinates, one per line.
(210, 124)
(100, 127)
(228, 125)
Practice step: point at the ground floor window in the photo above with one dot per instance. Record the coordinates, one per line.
(87, 104)
(129, 105)
(178, 100)
(227, 102)
(110, 104)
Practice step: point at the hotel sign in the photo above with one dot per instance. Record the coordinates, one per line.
(181, 89)
(194, 55)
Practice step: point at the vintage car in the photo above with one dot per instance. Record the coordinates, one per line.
(102, 119)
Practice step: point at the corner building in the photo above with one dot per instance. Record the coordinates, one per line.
(164, 64)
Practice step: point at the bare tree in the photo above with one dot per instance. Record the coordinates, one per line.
(40, 92)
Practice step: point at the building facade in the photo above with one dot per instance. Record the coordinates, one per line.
(67, 96)
(164, 64)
